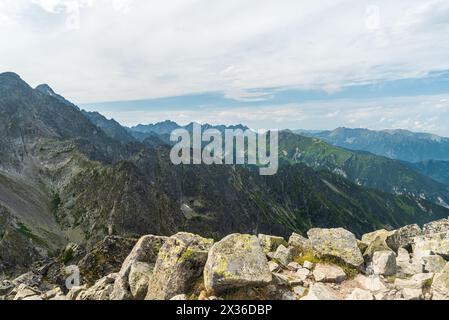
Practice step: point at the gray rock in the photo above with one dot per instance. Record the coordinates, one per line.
(319, 291)
(302, 274)
(328, 273)
(234, 262)
(436, 227)
(406, 266)
(412, 294)
(433, 263)
(384, 263)
(179, 265)
(271, 243)
(431, 244)
(299, 290)
(23, 291)
(284, 255)
(75, 292)
(337, 243)
(360, 294)
(308, 265)
(29, 279)
(300, 243)
(273, 266)
(440, 285)
(403, 237)
(101, 290)
(371, 283)
(417, 281)
(6, 287)
(146, 251)
(139, 277)
(180, 297)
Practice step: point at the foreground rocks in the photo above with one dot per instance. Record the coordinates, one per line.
(330, 264)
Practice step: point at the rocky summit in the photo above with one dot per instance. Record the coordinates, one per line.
(410, 263)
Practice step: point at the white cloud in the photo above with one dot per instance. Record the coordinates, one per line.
(99, 50)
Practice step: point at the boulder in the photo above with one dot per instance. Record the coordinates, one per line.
(105, 258)
(438, 226)
(377, 244)
(75, 292)
(139, 277)
(440, 285)
(273, 266)
(145, 251)
(23, 291)
(271, 243)
(300, 243)
(101, 290)
(371, 283)
(328, 273)
(179, 265)
(336, 243)
(430, 244)
(308, 265)
(384, 263)
(319, 291)
(293, 266)
(417, 281)
(433, 263)
(403, 237)
(360, 294)
(406, 266)
(412, 294)
(234, 262)
(284, 255)
(302, 274)
(299, 291)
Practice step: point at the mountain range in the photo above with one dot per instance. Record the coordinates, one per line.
(68, 175)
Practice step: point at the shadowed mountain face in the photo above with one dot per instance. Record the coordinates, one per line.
(67, 175)
(437, 170)
(395, 144)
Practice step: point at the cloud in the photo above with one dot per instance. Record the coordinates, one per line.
(99, 50)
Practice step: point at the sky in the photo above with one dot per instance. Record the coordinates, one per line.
(268, 64)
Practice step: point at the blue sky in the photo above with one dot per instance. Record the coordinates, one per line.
(299, 64)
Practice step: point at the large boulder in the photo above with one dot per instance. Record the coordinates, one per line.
(407, 266)
(300, 243)
(375, 241)
(145, 251)
(430, 244)
(101, 290)
(139, 277)
(105, 258)
(336, 243)
(440, 285)
(436, 227)
(284, 255)
(384, 263)
(319, 291)
(329, 273)
(178, 266)
(236, 261)
(403, 237)
(433, 263)
(271, 243)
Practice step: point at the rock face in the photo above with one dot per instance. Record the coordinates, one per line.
(384, 263)
(178, 266)
(236, 261)
(336, 243)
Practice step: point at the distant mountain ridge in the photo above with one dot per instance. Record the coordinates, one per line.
(395, 144)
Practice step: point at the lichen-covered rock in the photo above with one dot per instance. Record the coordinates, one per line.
(284, 255)
(384, 263)
(146, 251)
(74, 292)
(328, 273)
(178, 266)
(105, 258)
(433, 263)
(440, 285)
(403, 237)
(407, 266)
(139, 277)
(319, 291)
(300, 243)
(430, 244)
(271, 243)
(375, 241)
(234, 262)
(101, 290)
(438, 226)
(337, 243)
(417, 281)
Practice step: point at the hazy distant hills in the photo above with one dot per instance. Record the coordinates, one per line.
(70, 175)
(394, 144)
